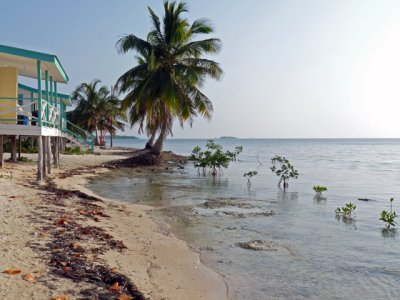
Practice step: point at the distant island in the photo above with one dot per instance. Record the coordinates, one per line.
(228, 138)
(123, 137)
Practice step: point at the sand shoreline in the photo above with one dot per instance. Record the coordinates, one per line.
(158, 263)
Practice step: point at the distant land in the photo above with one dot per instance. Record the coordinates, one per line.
(123, 137)
(228, 138)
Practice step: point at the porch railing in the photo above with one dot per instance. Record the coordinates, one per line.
(26, 114)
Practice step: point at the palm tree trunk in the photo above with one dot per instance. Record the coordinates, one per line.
(158, 146)
(150, 142)
(97, 136)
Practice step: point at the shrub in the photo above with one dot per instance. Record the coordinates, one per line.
(250, 175)
(214, 158)
(282, 167)
(319, 189)
(76, 150)
(346, 210)
(388, 217)
(24, 159)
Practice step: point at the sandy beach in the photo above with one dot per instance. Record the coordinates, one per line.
(56, 236)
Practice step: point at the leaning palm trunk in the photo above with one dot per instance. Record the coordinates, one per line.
(158, 146)
(150, 142)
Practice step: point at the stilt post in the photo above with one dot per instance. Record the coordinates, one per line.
(1, 151)
(40, 159)
(19, 146)
(48, 154)
(14, 148)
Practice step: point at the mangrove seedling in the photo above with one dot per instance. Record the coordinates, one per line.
(250, 175)
(282, 167)
(319, 189)
(388, 217)
(214, 158)
(346, 211)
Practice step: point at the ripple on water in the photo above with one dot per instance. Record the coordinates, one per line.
(321, 257)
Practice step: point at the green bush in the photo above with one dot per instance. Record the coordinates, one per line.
(319, 189)
(213, 158)
(24, 159)
(388, 217)
(75, 150)
(282, 167)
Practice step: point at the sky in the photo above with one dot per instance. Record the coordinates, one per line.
(292, 69)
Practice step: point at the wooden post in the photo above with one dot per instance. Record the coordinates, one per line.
(43, 138)
(40, 159)
(48, 155)
(1, 151)
(14, 148)
(19, 146)
(58, 139)
(54, 150)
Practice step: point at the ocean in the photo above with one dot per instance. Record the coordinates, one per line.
(314, 254)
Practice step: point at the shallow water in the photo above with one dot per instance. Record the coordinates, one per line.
(318, 255)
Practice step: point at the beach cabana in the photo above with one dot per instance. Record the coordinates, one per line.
(38, 111)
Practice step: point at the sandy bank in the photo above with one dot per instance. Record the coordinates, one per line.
(160, 265)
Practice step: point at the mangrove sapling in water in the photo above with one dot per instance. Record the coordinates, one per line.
(345, 211)
(282, 167)
(388, 217)
(214, 158)
(319, 189)
(249, 175)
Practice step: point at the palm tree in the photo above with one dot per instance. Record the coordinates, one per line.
(113, 118)
(97, 111)
(165, 84)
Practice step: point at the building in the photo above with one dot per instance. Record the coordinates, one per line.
(38, 111)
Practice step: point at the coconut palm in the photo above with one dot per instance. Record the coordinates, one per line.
(97, 111)
(113, 118)
(165, 84)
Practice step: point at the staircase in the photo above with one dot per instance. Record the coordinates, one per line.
(78, 136)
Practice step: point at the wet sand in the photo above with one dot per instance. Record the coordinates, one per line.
(157, 263)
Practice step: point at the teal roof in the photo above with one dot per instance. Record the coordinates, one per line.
(26, 61)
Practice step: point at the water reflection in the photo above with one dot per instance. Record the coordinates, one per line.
(389, 232)
(320, 199)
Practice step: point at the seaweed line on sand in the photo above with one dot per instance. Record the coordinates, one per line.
(71, 249)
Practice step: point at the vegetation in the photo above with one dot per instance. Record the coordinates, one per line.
(24, 159)
(75, 150)
(97, 111)
(346, 210)
(214, 158)
(388, 217)
(27, 145)
(319, 189)
(282, 167)
(164, 86)
(250, 175)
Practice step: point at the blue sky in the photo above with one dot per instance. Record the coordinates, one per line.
(292, 68)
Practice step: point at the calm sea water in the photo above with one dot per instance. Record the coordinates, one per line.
(319, 256)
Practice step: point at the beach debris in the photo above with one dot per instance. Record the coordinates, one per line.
(124, 297)
(72, 249)
(116, 287)
(28, 277)
(60, 298)
(12, 271)
(259, 245)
